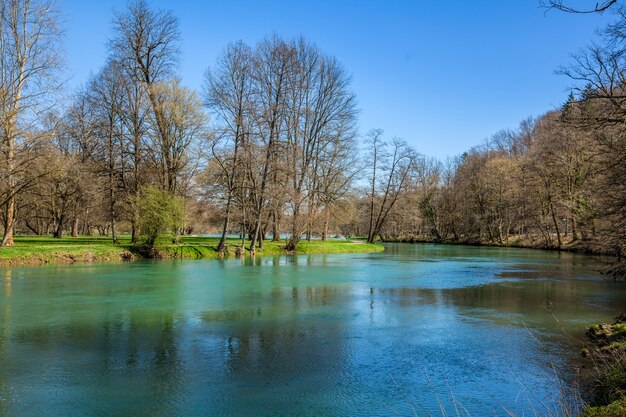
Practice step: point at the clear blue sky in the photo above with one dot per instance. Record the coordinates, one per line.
(444, 75)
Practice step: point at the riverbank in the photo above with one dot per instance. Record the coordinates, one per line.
(36, 250)
(614, 268)
(418, 321)
(605, 373)
(579, 246)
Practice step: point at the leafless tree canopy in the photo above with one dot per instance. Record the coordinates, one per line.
(29, 38)
(286, 123)
(571, 6)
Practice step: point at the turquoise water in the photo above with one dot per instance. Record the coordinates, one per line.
(395, 333)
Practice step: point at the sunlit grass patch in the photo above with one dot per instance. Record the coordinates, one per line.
(46, 249)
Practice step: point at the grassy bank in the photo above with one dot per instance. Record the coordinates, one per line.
(30, 250)
(605, 373)
(515, 241)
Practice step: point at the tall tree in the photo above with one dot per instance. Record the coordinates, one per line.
(598, 110)
(274, 62)
(183, 124)
(396, 173)
(376, 152)
(321, 108)
(227, 92)
(135, 119)
(29, 59)
(146, 43)
(106, 93)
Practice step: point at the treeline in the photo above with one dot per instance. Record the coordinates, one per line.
(557, 181)
(80, 164)
(269, 149)
(279, 155)
(546, 184)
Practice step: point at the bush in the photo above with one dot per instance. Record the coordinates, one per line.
(159, 212)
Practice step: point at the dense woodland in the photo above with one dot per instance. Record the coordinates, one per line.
(270, 148)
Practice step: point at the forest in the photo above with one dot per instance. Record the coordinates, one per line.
(271, 148)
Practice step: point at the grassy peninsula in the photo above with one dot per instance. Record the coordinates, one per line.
(33, 250)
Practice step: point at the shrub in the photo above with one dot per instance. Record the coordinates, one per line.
(159, 212)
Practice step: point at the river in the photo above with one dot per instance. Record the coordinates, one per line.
(403, 332)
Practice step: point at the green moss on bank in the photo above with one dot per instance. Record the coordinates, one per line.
(607, 387)
(615, 409)
(29, 250)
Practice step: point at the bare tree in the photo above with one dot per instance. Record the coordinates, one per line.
(135, 118)
(146, 43)
(565, 6)
(106, 93)
(274, 62)
(227, 93)
(376, 145)
(598, 109)
(336, 167)
(183, 124)
(29, 36)
(396, 176)
(321, 105)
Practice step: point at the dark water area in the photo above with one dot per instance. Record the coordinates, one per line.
(394, 333)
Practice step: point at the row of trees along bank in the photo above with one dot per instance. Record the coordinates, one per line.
(270, 147)
(557, 181)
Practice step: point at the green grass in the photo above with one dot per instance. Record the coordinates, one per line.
(607, 383)
(44, 249)
(204, 247)
(615, 409)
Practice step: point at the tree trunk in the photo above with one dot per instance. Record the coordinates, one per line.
(111, 183)
(370, 230)
(259, 214)
(75, 227)
(556, 224)
(9, 222)
(275, 228)
(222, 244)
(574, 230)
(255, 235)
(58, 231)
(295, 233)
(326, 222)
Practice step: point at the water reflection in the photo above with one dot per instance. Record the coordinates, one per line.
(8, 277)
(316, 335)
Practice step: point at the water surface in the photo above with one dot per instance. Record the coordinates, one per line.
(394, 333)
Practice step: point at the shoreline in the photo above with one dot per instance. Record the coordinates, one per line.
(43, 250)
(579, 247)
(38, 250)
(614, 268)
(604, 370)
(576, 248)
